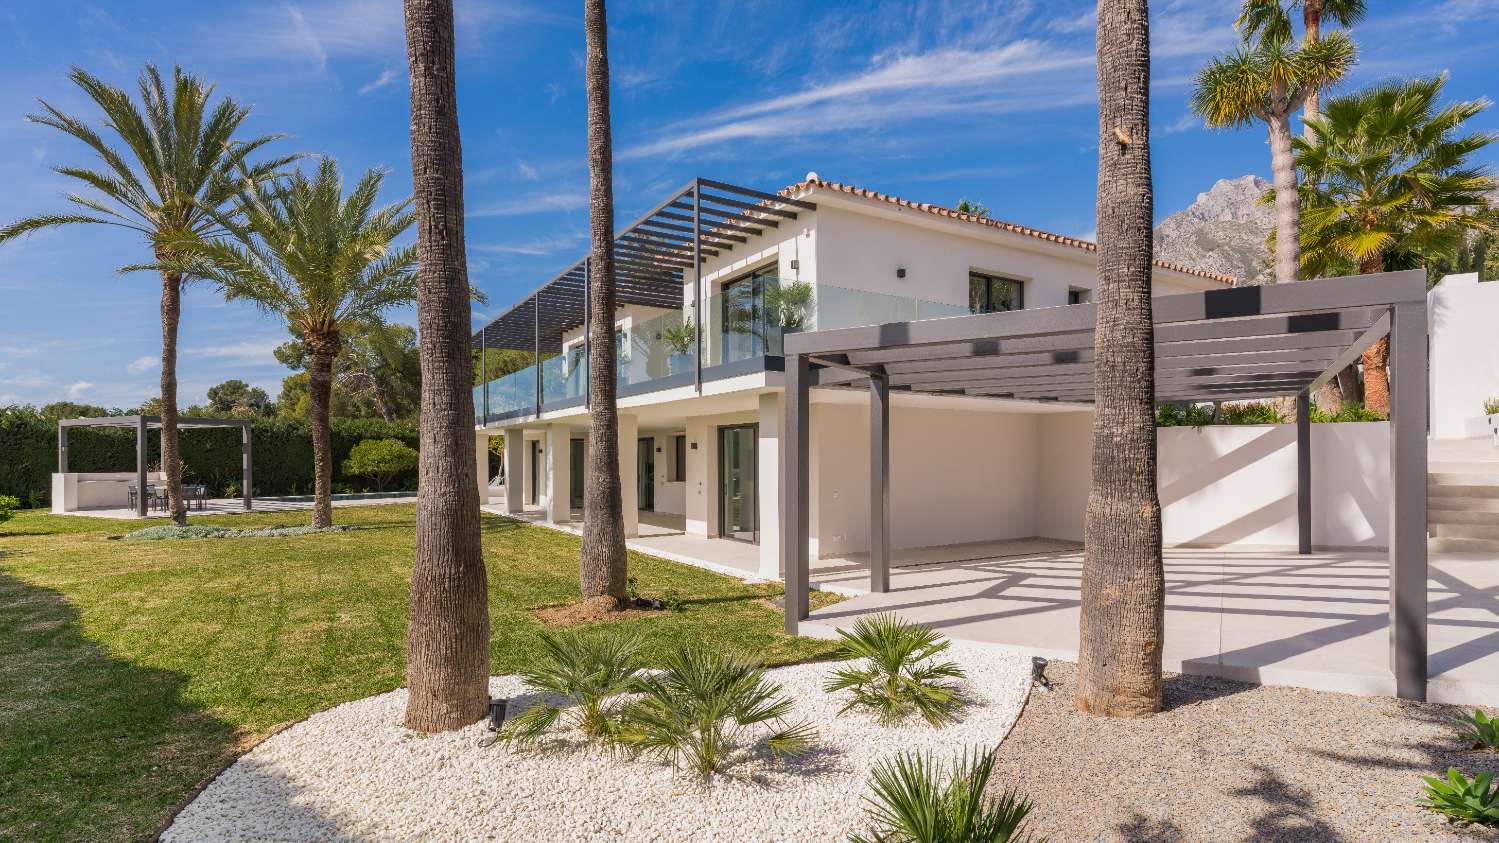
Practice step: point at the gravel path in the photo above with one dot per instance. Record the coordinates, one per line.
(1235, 762)
(353, 773)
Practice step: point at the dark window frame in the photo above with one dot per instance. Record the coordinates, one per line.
(983, 302)
(679, 458)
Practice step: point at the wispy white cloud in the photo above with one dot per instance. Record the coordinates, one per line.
(246, 352)
(538, 246)
(557, 200)
(142, 364)
(527, 171)
(1185, 123)
(323, 30)
(78, 389)
(898, 90)
(385, 78)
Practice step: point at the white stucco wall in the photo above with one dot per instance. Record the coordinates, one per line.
(1461, 316)
(954, 477)
(1235, 484)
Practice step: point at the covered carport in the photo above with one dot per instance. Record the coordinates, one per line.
(1221, 345)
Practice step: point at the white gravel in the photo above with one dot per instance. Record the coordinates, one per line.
(354, 773)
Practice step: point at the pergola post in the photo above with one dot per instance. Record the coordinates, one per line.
(1407, 552)
(140, 466)
(587, 330)
(699, 312)
(247, 477)
(1303, 474)
(62, 449)
(484, 376)
(795, 488)
(879, 483)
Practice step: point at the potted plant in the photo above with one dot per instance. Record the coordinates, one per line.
(680, 340)
(1491, 409)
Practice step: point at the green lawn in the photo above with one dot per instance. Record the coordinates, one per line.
(131, 671)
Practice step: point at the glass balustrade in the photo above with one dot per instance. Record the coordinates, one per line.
(744, 321)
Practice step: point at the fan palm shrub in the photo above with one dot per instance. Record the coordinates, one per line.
(589, 673)
(705, 711)
(1388, 182)
(301, 249)
(914, 802)
(179, 171)
(899, 674)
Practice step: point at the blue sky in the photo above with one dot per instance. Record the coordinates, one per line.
(933, 101)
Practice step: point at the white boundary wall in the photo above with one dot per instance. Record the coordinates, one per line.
(1236, 484)
(1462, 316)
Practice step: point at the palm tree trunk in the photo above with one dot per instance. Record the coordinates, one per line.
(322, 348)
(1123, 584)
(1311, 17)
(171, 450)
(602, 568)
(447, 639)
(1287, 202)
(1376, 379)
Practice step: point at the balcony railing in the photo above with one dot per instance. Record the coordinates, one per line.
(744, 322)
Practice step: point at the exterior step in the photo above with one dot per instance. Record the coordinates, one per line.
(1467, 477)
(1459, 491)
(1451, 545)
(1461, 516)
(1490, 467)
(1464, 503)
(1464, 531)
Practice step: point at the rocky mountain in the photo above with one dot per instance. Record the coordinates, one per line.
(1224, 231)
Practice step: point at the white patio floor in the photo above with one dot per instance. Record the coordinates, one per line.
(1268, 616)
(1256, 615)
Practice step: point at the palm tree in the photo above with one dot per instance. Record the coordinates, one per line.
(1388, 182)
(1123, 583)
(602, 568)
(1269, 81)
(1272, 20)
(303, 251)
(178, 174)
(447, 633)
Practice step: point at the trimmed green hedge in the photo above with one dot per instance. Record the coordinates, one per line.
(281, 448)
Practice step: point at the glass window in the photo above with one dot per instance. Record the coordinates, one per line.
(988, 294)
(679, 459)
(1076, 296)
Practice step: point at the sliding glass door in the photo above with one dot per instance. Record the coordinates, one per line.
(738, 515)
(645, 473)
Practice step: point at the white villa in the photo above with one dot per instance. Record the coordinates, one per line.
(701, 456)
(986, 487)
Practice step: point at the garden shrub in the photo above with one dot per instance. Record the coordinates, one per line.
(897, 673)
(1469, 801)
(1175, 415)
(8, 506)
(381, 461)
(168, 532)
(1482, 730)
(915, 802)
(701, 710)
(588, 672)
(1251, 414)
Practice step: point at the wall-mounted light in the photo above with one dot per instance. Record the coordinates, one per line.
(796, 264)
(694, 446)
(900, 272)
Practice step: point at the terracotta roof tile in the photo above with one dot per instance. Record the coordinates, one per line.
(938, 210)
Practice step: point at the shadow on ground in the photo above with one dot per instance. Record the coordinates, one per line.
(94, 747)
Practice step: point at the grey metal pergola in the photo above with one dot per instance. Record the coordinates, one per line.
(1232, 344)
(142, 424)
